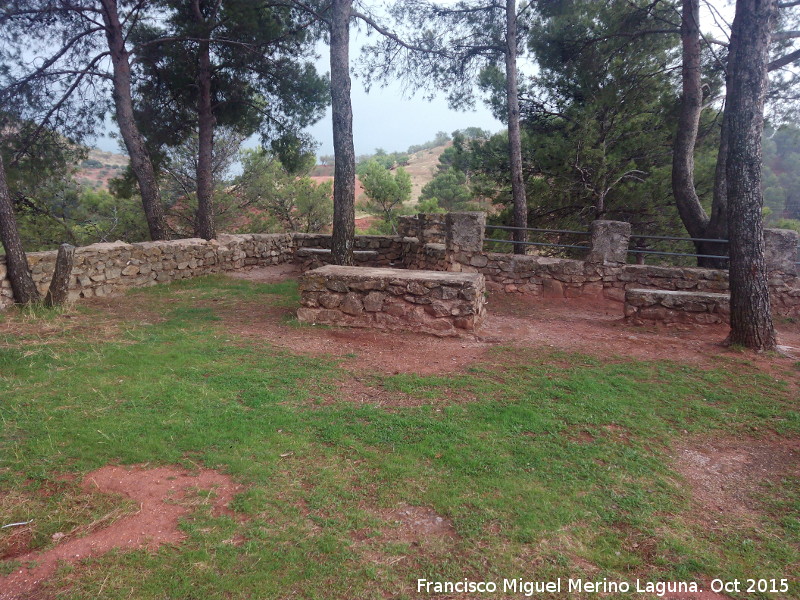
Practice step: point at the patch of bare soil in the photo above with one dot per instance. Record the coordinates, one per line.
(726, 476)
(357, 390)
(413, 524)
(271, 274)
(593, 327)
(164, 495)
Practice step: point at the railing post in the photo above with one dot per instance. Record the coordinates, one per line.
(780, 250)
(610, 241)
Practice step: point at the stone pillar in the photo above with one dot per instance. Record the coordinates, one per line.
(464, 231)
(780, 250)
(408, 226)
(431, 228)
(609, 242)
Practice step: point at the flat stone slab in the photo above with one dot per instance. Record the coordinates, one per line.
(438, 302)
(327, 252)
(670, 306)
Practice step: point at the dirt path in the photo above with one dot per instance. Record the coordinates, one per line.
(163, 495)
(573, 325)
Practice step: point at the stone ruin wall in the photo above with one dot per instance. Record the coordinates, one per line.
(113, 268)
(439, 242)
(389, 249)
(442, 303)
(607, 275)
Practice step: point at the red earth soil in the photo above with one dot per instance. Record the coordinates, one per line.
(590, 326)
(159, 492)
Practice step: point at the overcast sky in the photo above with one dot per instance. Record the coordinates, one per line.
(387, 118)
(384, 118)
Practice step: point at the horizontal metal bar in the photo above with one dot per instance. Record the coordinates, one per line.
(675, 254)
(509, 228)
(537, 244)
(680, 239)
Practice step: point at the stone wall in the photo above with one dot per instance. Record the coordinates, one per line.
(109, 269)
(604, 273)
(427, 228)
(441, 303)
(666, 306)
(541, 275)
(451, 242)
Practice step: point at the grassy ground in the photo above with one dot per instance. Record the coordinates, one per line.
(545, 465)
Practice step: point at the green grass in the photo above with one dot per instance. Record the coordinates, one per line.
(548, 465)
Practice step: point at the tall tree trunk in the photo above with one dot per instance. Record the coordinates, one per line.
(514, 137)
(344, 180)
(141, 165)
(19, 274)
(204, 219)
(691, 212)
(751, 319)
(694, 217)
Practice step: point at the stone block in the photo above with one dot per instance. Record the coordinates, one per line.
(552, 289)
(465, 231)
(425, 301)
(352, 304)
(373, 301)
(670, 306)
(609, 245)
(781, 251)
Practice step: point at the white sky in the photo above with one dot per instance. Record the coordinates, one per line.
(384, 118)
(387, 118)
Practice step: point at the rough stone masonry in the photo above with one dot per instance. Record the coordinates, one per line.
(441, 303)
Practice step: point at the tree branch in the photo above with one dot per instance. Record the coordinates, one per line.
(785, 35)
(783, 61)
(394, 37)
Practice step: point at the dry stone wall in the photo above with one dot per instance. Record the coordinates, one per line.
(441, 303)
(451, 242)
(369, 250)
(113, 268)
(666, 306)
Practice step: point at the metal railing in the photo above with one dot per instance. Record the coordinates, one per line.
(636, 251)
(642, 252)
(539, 231)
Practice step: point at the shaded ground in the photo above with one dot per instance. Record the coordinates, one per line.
(164, 496)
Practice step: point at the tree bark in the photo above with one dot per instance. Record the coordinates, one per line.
(751, 319)
(344, 180)
(520, 202)
(691, 212)
(58, 292)
(19, 274)
(204, 219)
(693, 216)
(141, 165)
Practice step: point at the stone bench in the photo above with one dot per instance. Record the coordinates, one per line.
(312, 258)
(441, 303)
(667, 306)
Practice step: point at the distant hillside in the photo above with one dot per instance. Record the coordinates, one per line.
(99, 167)
(422, 167)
